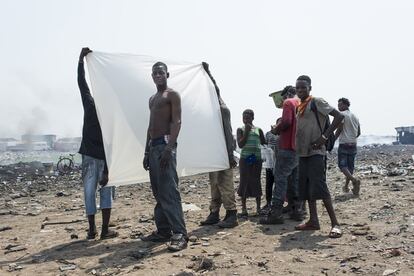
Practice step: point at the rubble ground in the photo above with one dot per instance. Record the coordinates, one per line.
(43, 227)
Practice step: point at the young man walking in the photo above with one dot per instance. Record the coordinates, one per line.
(311, 137)
(160, 160)
(348, 133)
(221, 182)
(94, 168)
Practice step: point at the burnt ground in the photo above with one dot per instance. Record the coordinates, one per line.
(378, 228)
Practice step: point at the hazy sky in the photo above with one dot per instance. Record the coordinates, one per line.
(362, 50)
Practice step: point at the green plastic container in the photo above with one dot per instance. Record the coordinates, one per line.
(277, 98)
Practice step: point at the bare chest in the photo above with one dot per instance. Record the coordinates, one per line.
(159, 103)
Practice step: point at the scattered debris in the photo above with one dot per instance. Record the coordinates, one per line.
(190, 207)
(297, 259)
(45, 223)
(203, 264)
(395, 252)
(14, 248)
(193, 238)
(67, 267)
(178, 255)
(136, 234)
(14, 267)
(389, 272)
(145, 218)
(4, 228)
(61, 193)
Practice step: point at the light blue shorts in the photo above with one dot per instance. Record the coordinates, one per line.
(92, 170)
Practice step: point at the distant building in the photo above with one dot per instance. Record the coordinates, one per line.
(7, 142)
(68, 144)
(49, 139)
(33, 146)
(405, 135)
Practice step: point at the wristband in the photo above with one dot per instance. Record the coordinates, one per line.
(324, 137)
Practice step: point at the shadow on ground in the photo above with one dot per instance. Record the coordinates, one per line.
(290, 239)
(115, 253)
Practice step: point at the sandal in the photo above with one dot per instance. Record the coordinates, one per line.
(307, 227)
(356, 186)
(109, 235)
(345, 189)
(336, 232)
(91, 235)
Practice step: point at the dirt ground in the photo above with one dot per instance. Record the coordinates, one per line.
(378, 228)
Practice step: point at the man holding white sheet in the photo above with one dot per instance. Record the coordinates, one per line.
(221, 182)
(94, 169)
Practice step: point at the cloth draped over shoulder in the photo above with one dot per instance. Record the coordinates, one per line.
(302, 106)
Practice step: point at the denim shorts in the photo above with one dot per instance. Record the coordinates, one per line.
(346, 156)
(92, 170)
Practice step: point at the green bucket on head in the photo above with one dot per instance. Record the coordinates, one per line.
(277, 98)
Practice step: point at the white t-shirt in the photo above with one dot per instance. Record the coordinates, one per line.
(268, 157)
(350, 129)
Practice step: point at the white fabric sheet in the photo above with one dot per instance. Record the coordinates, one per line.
(122, 85)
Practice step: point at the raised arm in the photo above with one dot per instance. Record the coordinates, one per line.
(87, 99)
(226, 119)
(242, 136)
(207, 69)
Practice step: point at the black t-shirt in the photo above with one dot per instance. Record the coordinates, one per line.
(92, 144)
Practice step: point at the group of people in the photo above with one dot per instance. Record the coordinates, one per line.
(295, 161)
(303, 133)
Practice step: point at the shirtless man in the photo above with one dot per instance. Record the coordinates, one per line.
(160, 160)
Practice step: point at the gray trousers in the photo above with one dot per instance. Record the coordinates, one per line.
(286, 162)
(168, 212)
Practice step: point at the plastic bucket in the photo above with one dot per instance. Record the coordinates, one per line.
(277, 98)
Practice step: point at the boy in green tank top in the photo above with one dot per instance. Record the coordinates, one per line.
(249, 139)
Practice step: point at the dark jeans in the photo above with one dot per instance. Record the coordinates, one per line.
(270, 180)
(346, 156)
(168, 212)
(286, 162)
